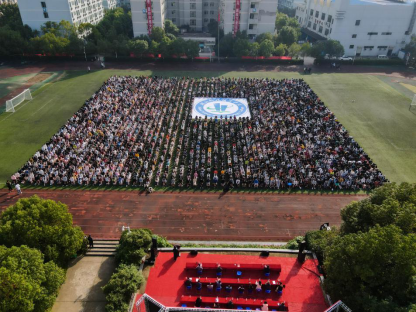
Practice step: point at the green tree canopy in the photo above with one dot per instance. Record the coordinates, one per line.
(11, 42)
(123, 283)
(266, 48)
(389, 204)
(373, 271)
(158, 34)
(264, 36)
(191, 49)
(294, 50)
(171, 28)
(178, 46)
(305, 49)
(227, 45)
(331, 47)
(154, 48)
(283, 20)
(42, 224)
(241, 47)
(280, 50)
(138, 46)
(26, 282)
(287, 35)
(133, 246)
(254, 49)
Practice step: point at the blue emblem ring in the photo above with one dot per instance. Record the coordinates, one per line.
(200, 108)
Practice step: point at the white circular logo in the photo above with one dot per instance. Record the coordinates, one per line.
(221, 107)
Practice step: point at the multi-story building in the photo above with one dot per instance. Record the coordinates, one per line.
(123, 3)
(109, 4)
(35, 13)
(363, 27)
(254, 16)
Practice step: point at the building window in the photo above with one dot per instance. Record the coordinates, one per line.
(329, 18)
(193, 6)
(205, 20)
(251, 26)
(172, 4)
(192, 22)
(193, 14)
(212, 20)
(206, 12)
(354, 35)
(357, 22)
(45, 15)
(314, 26)
(45, 10)
(368, 47)
(211, 4)
(253, 6)
(251, 15)
(206, 4)
(326, 32)
(309, 24)
(173, 20)
(386, 33)
(320, 29)
(317, 14)
(372, 33)
(173, 12)
(311, 12)
(211, 12)
(407, 33)
(382, 47)
(351, 46)
(323, 16)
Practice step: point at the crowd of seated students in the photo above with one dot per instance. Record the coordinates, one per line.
(139, 131)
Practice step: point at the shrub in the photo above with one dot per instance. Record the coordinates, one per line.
(133, 246)
(123, 283)
(294, 243)
(162, 241)
(318, 241)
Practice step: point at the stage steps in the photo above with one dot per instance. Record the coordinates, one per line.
(103, 248)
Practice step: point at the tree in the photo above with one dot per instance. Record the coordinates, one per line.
(331, 47)
(26, 282)
(318, 241)
(389, 204)
(164, 47)
(138, 47)
(154, 48)
(157, 34)
(11, 42)
(42, 224)
(280, 50)
(191, 49)
(287, 35)
(241, 47)
(254, 49)
(123, 283)
(227, 45)
(264, 36)
(281, 21)
(133, 246)
(178, 47)
(305, 49)
(266, 48)
(171, 28)
(294, 50)
(373, 271)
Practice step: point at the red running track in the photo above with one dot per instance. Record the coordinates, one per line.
(196, 215)
(302, 293)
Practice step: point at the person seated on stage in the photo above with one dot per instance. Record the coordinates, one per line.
(251, 287)
(217, 303)
(188, 282)
(210, 287)
(198, 284)
(199, 268)
(265, 306)
(241, 290)
(281, 306)
(228, 288)
(279, 288)
(219, 269)
(230, 305)
(267, 285)
(198, 302)
(258, 285)
(218, 283)
(266, 269)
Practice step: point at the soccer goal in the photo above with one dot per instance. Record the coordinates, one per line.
(412, 106)
(11, 104)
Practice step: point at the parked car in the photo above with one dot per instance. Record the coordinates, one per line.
(345, 58)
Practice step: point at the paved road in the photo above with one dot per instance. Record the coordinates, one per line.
(197, 216)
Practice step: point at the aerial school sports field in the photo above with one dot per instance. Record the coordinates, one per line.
(375, 114)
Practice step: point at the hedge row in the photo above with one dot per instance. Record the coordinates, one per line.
(371, 62)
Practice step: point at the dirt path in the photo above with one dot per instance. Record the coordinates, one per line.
(197, 216)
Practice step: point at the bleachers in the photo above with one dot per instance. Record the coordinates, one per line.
(234, 275)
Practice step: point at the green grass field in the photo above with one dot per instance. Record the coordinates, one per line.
(375, 113)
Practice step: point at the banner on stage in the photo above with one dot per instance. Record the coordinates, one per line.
(217, 107)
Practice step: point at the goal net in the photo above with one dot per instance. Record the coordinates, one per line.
(11, 104)
(412, 106)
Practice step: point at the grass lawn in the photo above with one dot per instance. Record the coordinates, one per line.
(375, 113)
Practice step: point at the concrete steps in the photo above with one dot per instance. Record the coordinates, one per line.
(103, 248)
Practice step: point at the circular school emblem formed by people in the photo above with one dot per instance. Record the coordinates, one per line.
(225, 107)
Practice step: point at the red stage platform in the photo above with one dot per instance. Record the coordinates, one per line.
(302, 292)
